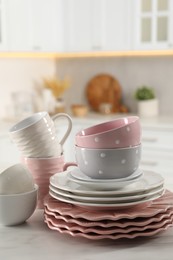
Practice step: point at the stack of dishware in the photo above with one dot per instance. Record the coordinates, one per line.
(41, 151)
(132, 222)
(105, 180)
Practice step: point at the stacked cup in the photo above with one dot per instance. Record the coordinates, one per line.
(111, 150)
(41, 151)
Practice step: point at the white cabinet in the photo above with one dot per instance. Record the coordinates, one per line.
(153, 24)
(157, 154)
(18, 25)
(116, 25)
(77, 25)
(46, 25)
(3, 31)
(97, 25)
(34, 25)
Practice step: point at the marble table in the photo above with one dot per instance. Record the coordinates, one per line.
(33, 240)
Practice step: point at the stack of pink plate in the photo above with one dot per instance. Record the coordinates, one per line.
(135, 206)
(113, 224)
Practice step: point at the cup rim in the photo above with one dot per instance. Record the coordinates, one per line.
(25, 158)
(34, 118)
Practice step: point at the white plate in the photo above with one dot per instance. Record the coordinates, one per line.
(113, 199)
(104, 206)
(148, 181)
(76, 174)
(104, 184)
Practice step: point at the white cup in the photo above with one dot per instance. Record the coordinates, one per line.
(36, 136)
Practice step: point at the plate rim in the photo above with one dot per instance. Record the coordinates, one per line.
(112, 192)
(106, 199)
(106, 206)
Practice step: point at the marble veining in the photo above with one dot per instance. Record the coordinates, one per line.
(33, 240)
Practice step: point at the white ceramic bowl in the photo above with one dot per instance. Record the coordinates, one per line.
(16, 179)
(15, 209)
(118, 133)
(108, 163)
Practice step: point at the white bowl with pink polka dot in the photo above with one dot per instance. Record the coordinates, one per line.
(108, 163)
(118, 133)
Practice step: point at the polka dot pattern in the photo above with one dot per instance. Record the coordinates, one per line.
(97, 139)
(103, 162)
(123, 161)
(102, 155)
(128, 129)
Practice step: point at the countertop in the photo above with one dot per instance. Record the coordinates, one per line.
(164, 121)
(33, 240)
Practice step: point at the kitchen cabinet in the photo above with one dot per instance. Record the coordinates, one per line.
(157, 155)
(34, 25)
(77, 25)
(96, 25)
(153, 24)
(46, 25)
(3, 36)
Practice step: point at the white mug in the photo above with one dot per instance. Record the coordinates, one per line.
(36, 136)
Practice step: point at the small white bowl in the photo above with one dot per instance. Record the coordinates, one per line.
(15, 209)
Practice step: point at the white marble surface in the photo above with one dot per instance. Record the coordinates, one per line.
(33, 240)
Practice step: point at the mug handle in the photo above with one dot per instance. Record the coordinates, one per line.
(69, 125)
(68, 164)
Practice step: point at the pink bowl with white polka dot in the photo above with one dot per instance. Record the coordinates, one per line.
(108, 163)
(118, 133)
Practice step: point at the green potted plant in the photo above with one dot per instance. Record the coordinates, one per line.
(147, 101)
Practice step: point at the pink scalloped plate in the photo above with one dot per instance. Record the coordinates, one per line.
(94, 236)
(157, 206)
(106, 231)
(121, 223)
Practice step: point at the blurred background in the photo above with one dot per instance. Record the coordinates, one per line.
(51, 50)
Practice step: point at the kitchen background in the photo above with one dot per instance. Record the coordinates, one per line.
(80, 26)
(24, 74)
(79, 39)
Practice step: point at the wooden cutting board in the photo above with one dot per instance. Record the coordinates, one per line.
(104, 88)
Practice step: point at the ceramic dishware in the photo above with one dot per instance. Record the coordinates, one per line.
(36, 135)
(118, 133)
(149, 181)
(135, 222)
(16, 179)
(17, 208)
(42, 169)
(106, 199)
(105, 184)
(107, 163)
(127, 223)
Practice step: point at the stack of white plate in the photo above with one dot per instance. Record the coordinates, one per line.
(74, 187)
